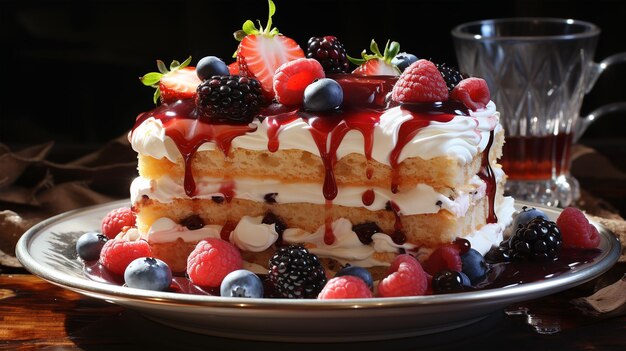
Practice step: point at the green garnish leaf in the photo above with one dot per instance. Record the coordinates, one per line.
(272, 11)
(356, 61)
(374, 48)
(185, 63)
(174, 65)
(394, 49)
(156, 96)
(249, 27)
(162, 67)
(151, 78)
(239, 35)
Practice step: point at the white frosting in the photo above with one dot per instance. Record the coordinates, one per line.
(491, 234)
(347, 248)
(419, 200)
(462, 137)
(251, 234)
(166, 230)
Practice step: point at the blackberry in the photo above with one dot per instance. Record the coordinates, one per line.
(329, 52)
(450, 75)
(229, 99)
(365, 231)
(295, 273)
(279, 225)
(193, 222)
(538, 240)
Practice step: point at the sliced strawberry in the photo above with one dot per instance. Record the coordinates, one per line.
(293, 77)
(259, 56)
(263, 50)
(233, 68)
(377, 64)
(376, 67)
(177, 82)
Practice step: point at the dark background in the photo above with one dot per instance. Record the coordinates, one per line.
(69, 69)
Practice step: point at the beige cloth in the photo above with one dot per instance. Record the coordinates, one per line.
(32, 188)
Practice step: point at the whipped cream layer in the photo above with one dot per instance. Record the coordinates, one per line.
(461, 138)
(251, 234)
(422, 199)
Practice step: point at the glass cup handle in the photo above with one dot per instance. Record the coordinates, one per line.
(596, 70)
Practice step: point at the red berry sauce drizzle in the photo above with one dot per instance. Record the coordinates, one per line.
(365, 100)
(189, 131)
(487, 175)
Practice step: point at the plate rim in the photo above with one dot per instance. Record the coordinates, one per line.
(114, 293)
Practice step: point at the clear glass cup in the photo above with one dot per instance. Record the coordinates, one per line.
(538, 71)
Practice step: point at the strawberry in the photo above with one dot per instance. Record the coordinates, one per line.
(377, 64)
(176, 83)
(263, 50)
(233, 68)
(420, 82)
(472, 92)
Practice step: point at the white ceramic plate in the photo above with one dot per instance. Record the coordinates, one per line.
(48, 251)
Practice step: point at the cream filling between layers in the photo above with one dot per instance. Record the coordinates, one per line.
(422, 199)
(461, 138)
(252, 235)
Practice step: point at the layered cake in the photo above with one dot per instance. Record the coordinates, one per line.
(284, 147)
(289, 174)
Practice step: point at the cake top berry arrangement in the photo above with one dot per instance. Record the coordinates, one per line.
(291, 173)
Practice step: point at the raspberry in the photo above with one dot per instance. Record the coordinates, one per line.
(345, 287)
(211, 261)
(444, 257)
(404, 278)
(576, 229)
(115, 221)
(293, 77)
(472, 92)
(118, 253)
(420, 82)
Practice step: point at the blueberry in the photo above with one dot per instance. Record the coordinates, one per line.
(211, 66)
(242, 283)
(526, 215)
(358, 272)
(323, 95)
(403, 60)
(148, 273)
(474, 266)
(89, 245)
